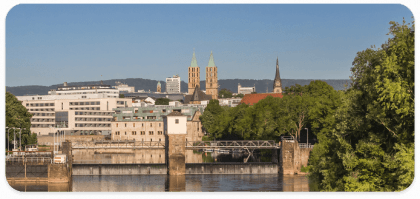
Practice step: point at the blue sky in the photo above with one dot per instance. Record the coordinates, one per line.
(51, 44)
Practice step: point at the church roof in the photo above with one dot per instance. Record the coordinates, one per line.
(198, 95)
(194, 61)
(158, 83)
(211, 60)
(251, 99)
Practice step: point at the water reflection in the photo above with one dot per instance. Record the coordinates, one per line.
(145, 156)
(40, 186)
(161, 183)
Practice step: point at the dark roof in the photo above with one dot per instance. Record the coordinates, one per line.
(251, 99)
(198, 95)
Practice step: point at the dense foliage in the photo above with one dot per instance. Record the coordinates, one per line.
(271, 117)
(17, 116)
(162, 101)
(225, 93)
(371, 145)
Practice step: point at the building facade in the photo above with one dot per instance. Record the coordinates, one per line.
(193, 75)
(77, 91)
(212, 84)
(146, 123)
(124, 88)
(277, 87)
(245, 90)
(173, 84)
(73, 116)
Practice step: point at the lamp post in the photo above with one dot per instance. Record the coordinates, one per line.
(8, 137)
(307, 137)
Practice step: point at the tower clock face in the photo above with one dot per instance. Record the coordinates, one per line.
(277, 83)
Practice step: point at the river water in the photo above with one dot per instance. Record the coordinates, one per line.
(161, 183)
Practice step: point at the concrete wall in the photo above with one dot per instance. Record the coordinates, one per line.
(176, 154)
(121, 169)
(48, 140)
(58, 173)
(292, 157)
(235, 168)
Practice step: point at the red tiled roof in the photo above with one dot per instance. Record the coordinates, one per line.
(251, 99)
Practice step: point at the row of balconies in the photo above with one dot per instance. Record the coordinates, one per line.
(47, 109)
(94, 113)
(42, 120)
(92, 125)
(86, 108)
(94, 119)
(84, 103)
(39, 104)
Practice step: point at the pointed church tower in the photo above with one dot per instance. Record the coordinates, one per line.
(212, 84)
(159, 88)
(193, 75)
(277, 81)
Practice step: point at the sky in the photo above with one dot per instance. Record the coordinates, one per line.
(52, 44)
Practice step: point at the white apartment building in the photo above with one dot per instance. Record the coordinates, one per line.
(124, 87)
(83, 91)
(245, 90)
(173, 84)
(74, 116)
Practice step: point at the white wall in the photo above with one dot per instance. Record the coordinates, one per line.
(172, 128)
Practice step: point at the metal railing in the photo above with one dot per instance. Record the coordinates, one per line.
(14, 159)
(233, 144)
(108, 144)
(304, 145)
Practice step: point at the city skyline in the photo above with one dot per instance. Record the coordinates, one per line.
(46, 44)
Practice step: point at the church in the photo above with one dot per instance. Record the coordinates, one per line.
(252, 99)
(195, 95)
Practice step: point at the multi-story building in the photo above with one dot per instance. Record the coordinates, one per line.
(212, 84)
(82, 91)
(173, 84)
(146, 123)
(124, 88)
(245, 90)
(74, 116)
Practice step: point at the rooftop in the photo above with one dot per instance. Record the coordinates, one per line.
(251, 99)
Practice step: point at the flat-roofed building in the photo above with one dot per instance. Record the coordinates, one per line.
(73, 116)
(124, 88)
(83, 91)
(146, 123)
(245, 90)
(173, 84)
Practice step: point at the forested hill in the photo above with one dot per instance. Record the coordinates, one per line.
(147, 84)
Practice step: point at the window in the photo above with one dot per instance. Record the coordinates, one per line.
(142, 133)
(150, 132)
(126, 133)
(117, 132)
(151, 125)
(142, 124)
(176, 121)
(117, 124)
(160, 133)
(160, 124)
(134, 124)
(125, 124)
(133, 133)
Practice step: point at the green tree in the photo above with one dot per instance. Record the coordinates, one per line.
(371, 147)
(240, 95)
(162, 101)
(17, 116)
(121, 96)
(225, 93)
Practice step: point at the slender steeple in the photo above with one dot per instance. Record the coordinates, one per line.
(194, 61)
(277, 70)
(277, 81)
(211, 60)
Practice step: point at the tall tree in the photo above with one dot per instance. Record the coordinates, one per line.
(371, 148)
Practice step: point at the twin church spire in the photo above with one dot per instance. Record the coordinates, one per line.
(211, 77)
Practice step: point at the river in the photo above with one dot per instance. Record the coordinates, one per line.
(162, 183)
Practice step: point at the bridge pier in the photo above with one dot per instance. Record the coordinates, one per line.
(175, 126)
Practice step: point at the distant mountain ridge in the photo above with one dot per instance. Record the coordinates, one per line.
(261, 86)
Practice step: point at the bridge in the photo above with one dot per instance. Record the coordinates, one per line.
(119, 144)
(233, 144)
